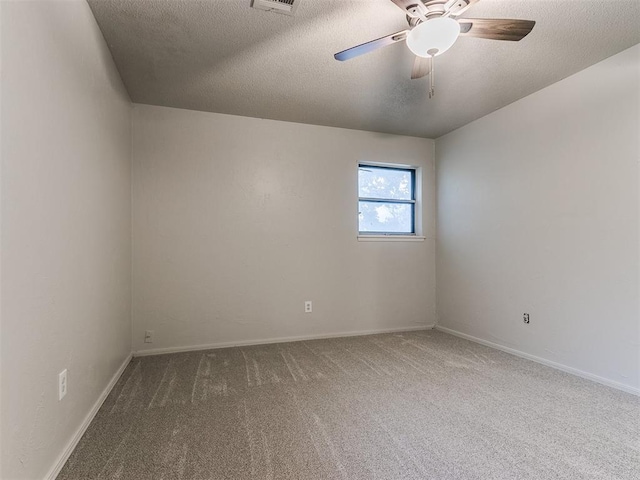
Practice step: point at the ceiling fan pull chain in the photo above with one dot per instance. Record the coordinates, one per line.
(432, 69)
(432, 66)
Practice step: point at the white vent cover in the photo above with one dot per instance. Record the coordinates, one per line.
(287, 7)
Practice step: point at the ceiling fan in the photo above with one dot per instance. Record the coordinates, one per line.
(434, 28)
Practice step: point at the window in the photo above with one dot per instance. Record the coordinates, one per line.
(386, 200)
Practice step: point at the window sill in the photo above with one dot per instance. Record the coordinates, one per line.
(390, 238)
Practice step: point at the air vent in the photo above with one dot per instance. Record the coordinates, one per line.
(286, 7)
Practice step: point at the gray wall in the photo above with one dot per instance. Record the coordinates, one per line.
(238, 221)
(65, 223)
(538, 212)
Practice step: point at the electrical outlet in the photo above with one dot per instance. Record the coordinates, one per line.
(62, 384)
(148, 336)
(308, 307)
(526, 318)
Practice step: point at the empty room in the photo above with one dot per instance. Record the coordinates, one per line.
(320, 239)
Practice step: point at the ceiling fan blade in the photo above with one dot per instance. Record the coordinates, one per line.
(495, 28)
(352, 52)
(420, 68)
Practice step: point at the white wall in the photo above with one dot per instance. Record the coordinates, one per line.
(538, 212)
(238, 221)
(65, 227)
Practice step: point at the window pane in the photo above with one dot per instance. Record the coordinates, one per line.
(384, 183)
(385, 217)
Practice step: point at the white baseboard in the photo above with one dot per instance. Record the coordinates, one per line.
(544, 361)
(68, 449)
(242, 343)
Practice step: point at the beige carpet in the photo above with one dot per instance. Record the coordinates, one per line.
(422, 405)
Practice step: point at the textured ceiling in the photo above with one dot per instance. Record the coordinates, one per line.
(223, 56)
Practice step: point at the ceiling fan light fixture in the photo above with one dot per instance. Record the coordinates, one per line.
(433, 37)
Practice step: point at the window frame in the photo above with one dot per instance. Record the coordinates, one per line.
(413, 201)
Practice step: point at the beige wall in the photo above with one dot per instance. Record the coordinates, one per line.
(65, 227)
(538, 212)
(238, 221)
